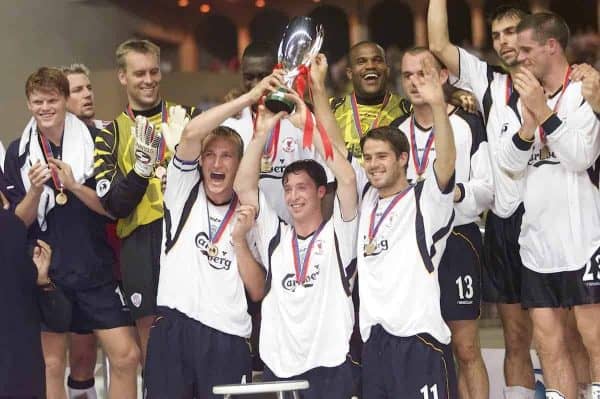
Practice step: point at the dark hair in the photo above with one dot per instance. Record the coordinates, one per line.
(391, 135)
(360, 44)
(546, 25)
(47, 79)
(421, 49)
(228, 134)
(260, 49)
(507, 11)
(312, 168)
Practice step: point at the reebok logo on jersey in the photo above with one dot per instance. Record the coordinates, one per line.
(504, 128)
(289, 282)
(218, 261)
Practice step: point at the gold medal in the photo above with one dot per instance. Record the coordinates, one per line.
(160, 172)
(212, 250)
(544, 153)
(370, 247)
(61, 198)
(265, 164)
(420, 178)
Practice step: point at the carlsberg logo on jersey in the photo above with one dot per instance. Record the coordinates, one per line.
(289, 282)
(218, 261)
(375, 248)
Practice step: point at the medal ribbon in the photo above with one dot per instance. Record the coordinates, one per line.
(47, 149)
(270, 150)
(356, 116)
(509, 89)
(565, 84)
(224, 222)
(301, 268)
(374, 228)
(420, 164)
(164, 115)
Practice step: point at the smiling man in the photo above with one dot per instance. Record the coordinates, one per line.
(129, 190)
(307, 315)
(370, 104)
(50, 177)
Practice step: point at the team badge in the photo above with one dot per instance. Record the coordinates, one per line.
(102, 187)
(136, 299)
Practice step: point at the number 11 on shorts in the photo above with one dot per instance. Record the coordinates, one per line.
(426, 389)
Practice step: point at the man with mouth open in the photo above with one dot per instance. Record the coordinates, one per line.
(307, 315)
(130, 193)
(370, 104)
(200, 336)
(401, 238)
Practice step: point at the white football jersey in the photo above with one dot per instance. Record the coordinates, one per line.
(497, 99)
(206, 287)
(561, 225)
(473, 169)
(289, 149)
(306, 324)
(398, 278)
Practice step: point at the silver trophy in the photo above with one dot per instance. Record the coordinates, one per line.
(302, 39)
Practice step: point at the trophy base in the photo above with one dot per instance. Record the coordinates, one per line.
(276, 102)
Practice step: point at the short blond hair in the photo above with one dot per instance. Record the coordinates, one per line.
(75, 69)
(228, 134)
(142, 46)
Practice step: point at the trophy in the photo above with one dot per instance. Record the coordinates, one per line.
(301, 40)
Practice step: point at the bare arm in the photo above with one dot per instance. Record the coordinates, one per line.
(248, 173)
(27, 209)
(318, 72)
(439, 40)
(190, 146)
(430, 88)
(252, 274)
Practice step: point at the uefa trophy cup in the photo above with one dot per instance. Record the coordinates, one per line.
(301, 40)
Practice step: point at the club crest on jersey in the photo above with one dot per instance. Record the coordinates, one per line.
(102, 187)
(379, 247)
(289, 144)
(136, 299)
(218, 261)
(318, 247)
(289, 282)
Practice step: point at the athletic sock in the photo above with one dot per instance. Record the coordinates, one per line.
(81, 389)
(518, 392)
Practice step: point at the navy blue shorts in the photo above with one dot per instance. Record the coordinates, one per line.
(563, 289)
(187, 358)
(414, 367)
(140, 268)
(501, 277)
(325, 382)
(98, 308)
(460, 274)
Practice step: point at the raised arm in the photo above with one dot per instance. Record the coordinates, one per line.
(430, 88)
(439, 39)
(318, 73)
(248, 174)
(190, 145)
